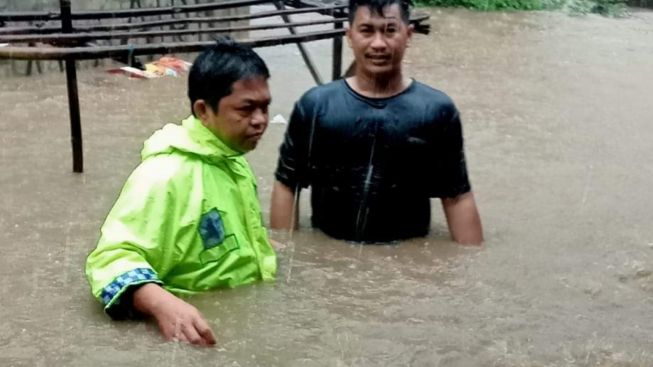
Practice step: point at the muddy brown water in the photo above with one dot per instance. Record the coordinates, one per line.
(557, 116)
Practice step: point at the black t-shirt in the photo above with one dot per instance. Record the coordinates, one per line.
(373, 163)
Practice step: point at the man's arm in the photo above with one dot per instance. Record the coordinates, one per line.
(463, 219)
(292, 170)
(124, 268)
(284, 209)
(177, 319)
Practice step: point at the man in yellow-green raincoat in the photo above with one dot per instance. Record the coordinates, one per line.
(188, 218)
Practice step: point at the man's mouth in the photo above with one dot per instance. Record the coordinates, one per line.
(382, 57)
(378, 59)
(255, 135)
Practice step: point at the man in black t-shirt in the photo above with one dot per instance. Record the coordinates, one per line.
(377, 146)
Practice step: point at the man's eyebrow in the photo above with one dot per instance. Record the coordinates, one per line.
(256, 101)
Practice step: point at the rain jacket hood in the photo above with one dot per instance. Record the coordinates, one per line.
(191, 137)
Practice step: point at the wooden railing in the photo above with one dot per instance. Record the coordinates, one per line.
(129, 33)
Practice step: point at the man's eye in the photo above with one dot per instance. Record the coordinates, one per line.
(390, 30)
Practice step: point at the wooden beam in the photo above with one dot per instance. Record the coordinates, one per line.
(194, 20)
(79, 38)
(302, 50)
(126, 13)
(90, 53)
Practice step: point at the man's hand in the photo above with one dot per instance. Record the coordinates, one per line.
(177, 319)
(284, 208)
(277, 245)
(463, 219)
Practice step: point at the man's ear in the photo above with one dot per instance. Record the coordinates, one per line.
(200, 108)
(410, 31)
(348, 35)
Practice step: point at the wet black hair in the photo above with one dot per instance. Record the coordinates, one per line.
(377, 6)
(218, 67)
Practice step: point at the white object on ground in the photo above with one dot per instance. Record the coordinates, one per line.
(278, 119)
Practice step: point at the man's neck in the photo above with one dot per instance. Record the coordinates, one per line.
(379, 86)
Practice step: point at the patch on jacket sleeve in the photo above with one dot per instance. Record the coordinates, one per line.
(125, 280)
(212, 229)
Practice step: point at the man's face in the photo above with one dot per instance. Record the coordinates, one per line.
(242, 116)
(379, 42)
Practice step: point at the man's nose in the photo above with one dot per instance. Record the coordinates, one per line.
(259, 117)
(378, 42)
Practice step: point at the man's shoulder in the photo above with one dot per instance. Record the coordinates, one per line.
(323, 92)
(162, 171)
(435, 101)
(432, 95)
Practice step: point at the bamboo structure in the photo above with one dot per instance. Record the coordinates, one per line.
(327, 10)
(81, 38)
(55, 36)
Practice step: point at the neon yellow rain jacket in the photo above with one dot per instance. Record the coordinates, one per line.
(187, 218)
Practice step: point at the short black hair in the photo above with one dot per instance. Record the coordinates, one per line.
(377, 6)
(218, 67)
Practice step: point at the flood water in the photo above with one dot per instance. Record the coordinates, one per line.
(557, 115)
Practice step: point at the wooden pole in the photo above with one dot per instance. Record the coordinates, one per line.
(337, 53)
(73, 96)
(302, 50)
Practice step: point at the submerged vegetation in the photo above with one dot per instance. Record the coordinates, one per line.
(613, 8)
